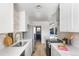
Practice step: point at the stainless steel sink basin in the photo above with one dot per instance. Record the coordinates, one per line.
(20, 44)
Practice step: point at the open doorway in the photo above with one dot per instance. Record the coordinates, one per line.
(38, 33)
(39, 48)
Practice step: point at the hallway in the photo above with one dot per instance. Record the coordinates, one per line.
(39, 49)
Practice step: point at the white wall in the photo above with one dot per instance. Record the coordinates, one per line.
(53, 19)
(45, 29)
(28, 34)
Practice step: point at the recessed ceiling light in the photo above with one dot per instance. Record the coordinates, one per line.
(38, 6)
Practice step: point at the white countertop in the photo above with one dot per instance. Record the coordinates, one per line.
(73, 51)
(13, 51)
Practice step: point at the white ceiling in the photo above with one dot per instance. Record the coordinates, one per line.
(35, 14)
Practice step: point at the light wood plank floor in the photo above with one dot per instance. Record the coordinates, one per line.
(39, 49)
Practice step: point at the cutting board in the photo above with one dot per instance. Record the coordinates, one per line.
(7, 41)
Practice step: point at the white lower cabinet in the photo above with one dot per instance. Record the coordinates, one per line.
(54, 52)
(28, 50)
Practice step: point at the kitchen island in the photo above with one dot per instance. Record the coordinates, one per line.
(17, 51)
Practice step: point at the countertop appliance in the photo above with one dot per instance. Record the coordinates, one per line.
(67, 41)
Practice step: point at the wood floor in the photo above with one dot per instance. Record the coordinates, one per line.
(39, 49)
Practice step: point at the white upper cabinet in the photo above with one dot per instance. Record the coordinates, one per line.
(69, 17)
(21, 21)
(6, 17)
(16, 21)
(66, 17)
(75, 17)
(12, 20)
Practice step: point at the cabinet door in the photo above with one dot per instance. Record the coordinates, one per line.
(28, 50)
(22, 21)
(54, 52)
(16, 21)
(76, 17)
(6, 17)
(66, 17)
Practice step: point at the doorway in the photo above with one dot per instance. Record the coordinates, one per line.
(39, 48)
(38, 33)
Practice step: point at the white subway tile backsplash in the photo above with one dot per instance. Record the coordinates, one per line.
(75, 41)
(1, 40)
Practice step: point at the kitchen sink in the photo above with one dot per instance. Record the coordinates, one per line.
(20, 44)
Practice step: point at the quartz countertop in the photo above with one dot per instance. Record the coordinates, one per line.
(72, 51)
(14, 51)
